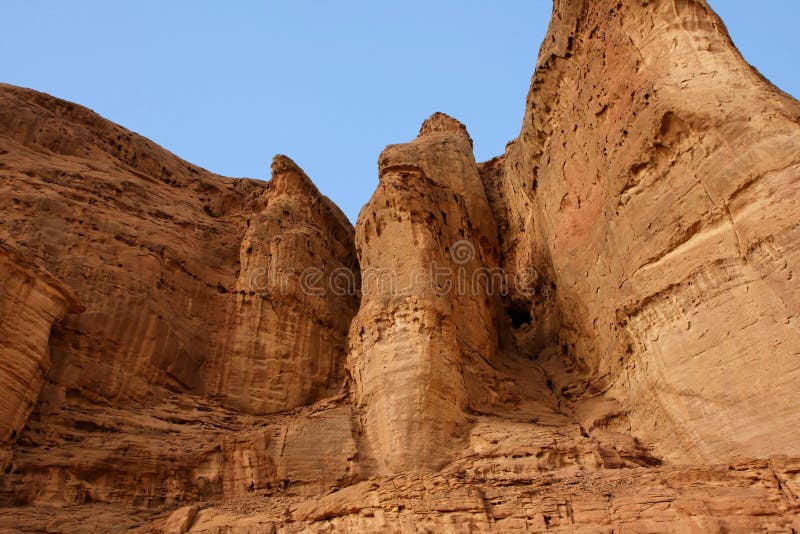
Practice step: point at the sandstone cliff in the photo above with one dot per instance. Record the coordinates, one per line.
(182, 336)
(662, 171)
(415, 330)
(31, 300)
(596, 331)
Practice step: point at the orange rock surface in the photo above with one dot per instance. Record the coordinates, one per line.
(663, 175)
(597, 331)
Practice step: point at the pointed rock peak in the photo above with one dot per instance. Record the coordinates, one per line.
(442, 123)
(288, 177)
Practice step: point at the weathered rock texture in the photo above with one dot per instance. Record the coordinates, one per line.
(31, 300)
(597, 331)
(416, 327)
(296, 294)
(663, 176)
(182, 339)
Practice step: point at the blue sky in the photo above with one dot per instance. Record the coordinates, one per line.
(226, 85)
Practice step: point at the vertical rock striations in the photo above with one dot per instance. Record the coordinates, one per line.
(150, 395)
(31, 300)
(297, 292)
(426, 230)
(149, 242)
(598, 331)
(175, 264)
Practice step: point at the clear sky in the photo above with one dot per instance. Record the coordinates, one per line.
(226, 85)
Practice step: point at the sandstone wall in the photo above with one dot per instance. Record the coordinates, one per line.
(296, 293)
(162, 254)
(31, 300)
(248, 362)
(181, 338)
(663, 172)
(426, 229)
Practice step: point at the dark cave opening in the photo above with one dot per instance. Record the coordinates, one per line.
(519, 315)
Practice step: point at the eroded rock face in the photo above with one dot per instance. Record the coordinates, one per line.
(31, 300)
(663, 175)
(192, 282)
(182, 450)
(150, 395)
(149, 242)
(246, 362)
(423, 234)
(297, 291)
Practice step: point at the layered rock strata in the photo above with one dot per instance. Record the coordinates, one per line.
(31, 301)
(422, 236)
(662, 174)
(244, 361)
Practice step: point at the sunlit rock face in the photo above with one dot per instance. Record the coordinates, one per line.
(662, 172)
(596, 331)
(297, 291)
(147, 392)
(428, 222)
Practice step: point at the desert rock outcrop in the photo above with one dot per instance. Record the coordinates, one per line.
(662, 172)
(31, 300)
(146, 401)
(296, 293)
(596, 331)
(421, 237)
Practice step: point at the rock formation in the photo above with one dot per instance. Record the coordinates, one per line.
(31, 300)
(663, 174)
(597, 331)
(416, 326)
(146, 401)
(287, 343)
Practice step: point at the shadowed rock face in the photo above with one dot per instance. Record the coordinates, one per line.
(181, 351)
(31, 300)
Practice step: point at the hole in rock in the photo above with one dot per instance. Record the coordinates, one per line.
(87, 426)
(519, 315)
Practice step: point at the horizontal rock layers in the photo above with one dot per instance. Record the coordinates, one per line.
(594, 332)
(182, 450)
(663, 171)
